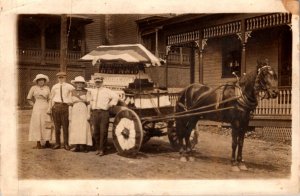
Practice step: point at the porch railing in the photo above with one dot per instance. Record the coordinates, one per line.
(51, 56)
(280, 106)
(176, 58)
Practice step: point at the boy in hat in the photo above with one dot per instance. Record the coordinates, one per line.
(101, 100)
(60, 99)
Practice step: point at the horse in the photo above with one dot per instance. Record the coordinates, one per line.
(242, 95)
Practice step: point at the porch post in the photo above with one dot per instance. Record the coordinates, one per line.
(200, 51)
(243, 58)
(43, 42)
(63, 43)
(168, 49)
(83, 43)
(201, 44)
(156, 42)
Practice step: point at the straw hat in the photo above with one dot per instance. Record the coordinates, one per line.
(41, 76)
(98, 79)
(78, 79)
(61, 74)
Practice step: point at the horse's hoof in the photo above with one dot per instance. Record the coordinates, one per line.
(191, 159)
(183, 159)
(242, 167)
(235, 168)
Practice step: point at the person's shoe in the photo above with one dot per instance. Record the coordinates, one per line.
(56, 146)
(76, 149)
(47, 144)
(38, 146)
(101, 153)
(67, 147)
(97, 152)
(85, 148)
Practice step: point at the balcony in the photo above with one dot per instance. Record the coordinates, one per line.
(27, 56)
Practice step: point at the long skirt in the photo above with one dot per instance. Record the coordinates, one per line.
(38, 130)
(79, 127)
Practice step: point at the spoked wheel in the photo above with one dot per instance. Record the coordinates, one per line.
(173, 138)
(153, 129)
(127, 133)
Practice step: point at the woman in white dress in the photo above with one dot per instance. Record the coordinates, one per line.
(79, 114)
(38, 97)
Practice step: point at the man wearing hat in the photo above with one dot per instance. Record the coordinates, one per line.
(101, 100)
(59, 103)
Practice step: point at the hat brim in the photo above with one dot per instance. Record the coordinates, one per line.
(61, 74)
(44, 78)
(98, 80)
(76, 81)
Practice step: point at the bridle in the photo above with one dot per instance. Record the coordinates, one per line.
(260, 84)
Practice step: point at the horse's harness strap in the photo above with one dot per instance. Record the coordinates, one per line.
(244, 102)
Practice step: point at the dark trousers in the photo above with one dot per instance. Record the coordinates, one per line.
(60, 114)
(100, 120)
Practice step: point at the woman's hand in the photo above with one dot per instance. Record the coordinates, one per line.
(30, 102)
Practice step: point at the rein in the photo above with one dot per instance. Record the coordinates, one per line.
(245, 102)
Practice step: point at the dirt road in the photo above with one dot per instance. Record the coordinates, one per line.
(156, 160)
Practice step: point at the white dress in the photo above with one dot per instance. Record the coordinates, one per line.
(37, 128)
(79, 127)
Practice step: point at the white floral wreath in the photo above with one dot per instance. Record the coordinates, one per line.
(126, 143)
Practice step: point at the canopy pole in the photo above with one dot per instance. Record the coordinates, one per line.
(168, 49)
(63, 43)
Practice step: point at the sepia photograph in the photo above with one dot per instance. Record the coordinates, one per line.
(138, 99)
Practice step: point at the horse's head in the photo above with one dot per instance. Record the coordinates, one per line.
(266, 80)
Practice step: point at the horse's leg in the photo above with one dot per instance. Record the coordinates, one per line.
(240, 160)
(181, 131)
(182, 150)
(234, 135)
(191, 126)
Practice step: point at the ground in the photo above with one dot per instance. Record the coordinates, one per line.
(156, 160)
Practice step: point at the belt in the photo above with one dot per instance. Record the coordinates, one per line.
(60, 103)
(99, 110)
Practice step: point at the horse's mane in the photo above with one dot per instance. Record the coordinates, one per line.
(248, 78)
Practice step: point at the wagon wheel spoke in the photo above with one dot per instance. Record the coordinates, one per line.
(174, 141)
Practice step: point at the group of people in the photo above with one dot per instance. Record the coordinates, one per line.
(75, 109)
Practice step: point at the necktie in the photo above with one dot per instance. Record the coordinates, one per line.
(61, 96)
(96, 98)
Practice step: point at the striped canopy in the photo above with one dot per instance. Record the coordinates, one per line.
(129, 53)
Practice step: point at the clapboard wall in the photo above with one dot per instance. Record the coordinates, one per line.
(262, 44)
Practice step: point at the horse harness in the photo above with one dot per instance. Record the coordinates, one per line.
(244, 102)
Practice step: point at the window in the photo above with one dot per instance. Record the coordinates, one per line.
(231, 57)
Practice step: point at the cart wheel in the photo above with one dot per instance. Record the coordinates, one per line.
(173, 138)
(127, 133)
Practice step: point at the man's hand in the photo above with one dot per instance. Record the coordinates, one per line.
(49, 111)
